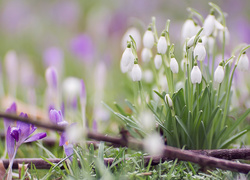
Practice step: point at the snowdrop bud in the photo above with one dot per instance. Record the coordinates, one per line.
(51, 77)
(218, 25)
(136, 73)
(243, 62)
(196, 75)
(179, 85)
(148, 39)
(148, 76)
(210, 43)
(162, 45)
(135, 34)
(209, 25)
(168, 100)
(200, 51)
(72, 87)
(158, 61)
(127, 60)
(188, 29)
(219, 74)
(227, 35)
(146, 55)
(154, 144)
(174, 65)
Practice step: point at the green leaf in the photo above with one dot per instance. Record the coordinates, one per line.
(120, 109)
(230, 140)
(184, 128)
(130, 105)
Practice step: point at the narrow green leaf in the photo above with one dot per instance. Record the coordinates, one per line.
(184, 128)
(230, 140)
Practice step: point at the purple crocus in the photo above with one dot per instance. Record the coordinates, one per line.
(56, 117)
(17, 135)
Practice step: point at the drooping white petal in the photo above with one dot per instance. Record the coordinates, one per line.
(174, 65)
(148, 39)
(196, 75)
(146, 55)
(200, 51)
(162, 45)
(218, 25)
(136, 73)
(153, 144)
(243, 63)
(190, 41)
(158, 61)
(209, 25)
(219, 74)
(127, 60)
(188, 29)
(168, 100)
(227, 36)
(135, 34)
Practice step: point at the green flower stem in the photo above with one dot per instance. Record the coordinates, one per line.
(141, 95)
(154, 29)
(197, 99)
(218, 95)
(229, 89)
(175, 129)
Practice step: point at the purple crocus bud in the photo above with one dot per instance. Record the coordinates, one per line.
(51, 77)
(68, 149)
(82, 46)
(83, 90)
(12, 110)
(55, 116)
(10, 142)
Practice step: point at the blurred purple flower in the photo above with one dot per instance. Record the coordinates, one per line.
(11, 110)
(82, 46)
(56, 117)
(53, 56)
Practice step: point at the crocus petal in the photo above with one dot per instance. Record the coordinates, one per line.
(25, 129)
(15, 132)
(68, 149)
(11, 109)
(55, 116)
(63, 139)
(10, 142)
(36, 137)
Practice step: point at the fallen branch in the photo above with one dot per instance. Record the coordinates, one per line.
(168, 151)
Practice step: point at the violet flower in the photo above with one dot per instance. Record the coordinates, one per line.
(56, 117)
(17, 135)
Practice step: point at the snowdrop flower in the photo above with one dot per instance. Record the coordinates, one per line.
(209, 25)
(210, 43)
(158, 61)
(243, 62)
(136, 73)
(162, 44)
(127, 60)
(148, 39)
(200, 51)
(189, 29)
(190, 42)
(174, 65)
(146, 55)
(147, 120)
(168, 100)
(135, 34)
(148, 76)
(154, 144)
(219, 74)
(218, 25)
(196, 75)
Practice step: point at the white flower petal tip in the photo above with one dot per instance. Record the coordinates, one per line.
(200, 51)
(148, 39)
(136, 36)
(136, 73)
(162, 45)
(209, 25)
(127, 60)
(174, 65)
(219, 74)
(189, 29)
(146, 55)
(168, 100)
(158, 61)
(196, 75)
(243, 63)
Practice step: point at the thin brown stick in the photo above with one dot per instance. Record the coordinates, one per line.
(168, 152)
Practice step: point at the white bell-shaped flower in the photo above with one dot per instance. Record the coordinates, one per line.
(136, 73)
(243, 63)
(154, 144)
(162, 45)
(200, 51)
(196, 75)
(190, 42)
(209, 25)
(227, 35)
(219, 74)
(148, 39)
(174, 65)
(218, 25)
(158, 61)
(146, 55)
(210, 44)
(189, 29)
(136, 36)
(168, 100)
(127, 60)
